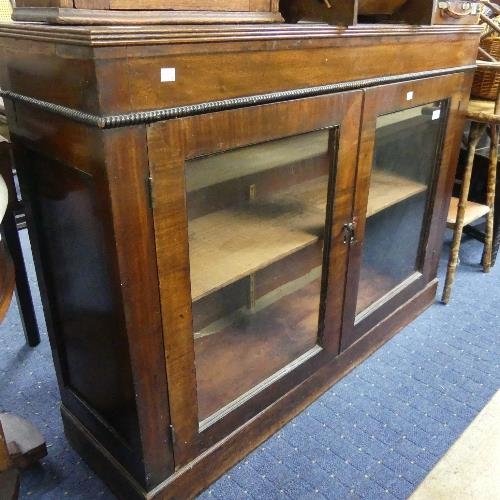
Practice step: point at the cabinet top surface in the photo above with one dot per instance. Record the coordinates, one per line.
(174, 34)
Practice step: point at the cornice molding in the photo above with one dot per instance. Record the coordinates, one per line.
(105, 36)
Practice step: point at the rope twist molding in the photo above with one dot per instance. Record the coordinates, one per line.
(145, 117)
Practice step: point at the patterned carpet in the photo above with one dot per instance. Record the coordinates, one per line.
(375, 434)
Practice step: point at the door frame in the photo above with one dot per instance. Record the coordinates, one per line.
(170, 144)
(382, 100)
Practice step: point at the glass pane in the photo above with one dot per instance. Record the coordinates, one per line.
(256, 227)
(407, 145)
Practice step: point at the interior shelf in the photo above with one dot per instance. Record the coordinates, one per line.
(237, 163)
(387, 189)
(229, 244)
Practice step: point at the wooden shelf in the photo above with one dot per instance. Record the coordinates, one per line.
(227, 245)
(239, 313)
(222, 167)
(387, 189)
(473, 211)
(230, 244)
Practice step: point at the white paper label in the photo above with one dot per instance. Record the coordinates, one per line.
(436, 114)
(409, 95)
(167, 75)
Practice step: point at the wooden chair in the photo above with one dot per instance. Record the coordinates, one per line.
(9, 224)
(20, 443)
(9, 477)
(484, 116)
(10, 234)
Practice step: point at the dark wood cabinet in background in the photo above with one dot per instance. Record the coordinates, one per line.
(225, 221)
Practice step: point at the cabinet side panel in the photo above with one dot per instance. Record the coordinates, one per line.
(112, 167)
(69, 226)
(54, 72)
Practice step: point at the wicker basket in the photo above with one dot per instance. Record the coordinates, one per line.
(487, 81)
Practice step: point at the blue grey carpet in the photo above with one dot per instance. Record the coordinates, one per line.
(375, 434)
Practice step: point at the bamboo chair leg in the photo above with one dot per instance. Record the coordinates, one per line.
(490, 198)
(476, 131)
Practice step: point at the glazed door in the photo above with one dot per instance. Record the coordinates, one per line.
(401, 194)
(249, 211)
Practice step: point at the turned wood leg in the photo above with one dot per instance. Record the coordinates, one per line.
(475, 134)
(490, 198)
